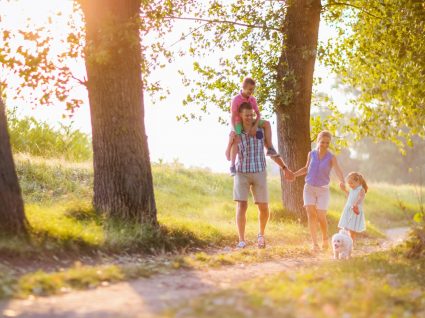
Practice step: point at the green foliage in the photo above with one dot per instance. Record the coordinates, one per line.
(247, 38)
(383, 162)
(42, 61)
(30, 136)
(379, 52)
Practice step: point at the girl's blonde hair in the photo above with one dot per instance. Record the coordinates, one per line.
(324, 133)
(358, 177)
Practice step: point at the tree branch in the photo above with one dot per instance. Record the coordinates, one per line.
(82, 82)
(353, 6)
(224, 22)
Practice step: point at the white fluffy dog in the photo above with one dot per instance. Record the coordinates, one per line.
(342, 244)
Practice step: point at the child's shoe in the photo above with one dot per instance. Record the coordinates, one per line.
(271, 152)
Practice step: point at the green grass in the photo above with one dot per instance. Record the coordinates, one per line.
(195, 210)
(384, 284)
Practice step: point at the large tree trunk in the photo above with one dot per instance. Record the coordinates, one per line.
(294, 87)
(122, 173)
(12, 216)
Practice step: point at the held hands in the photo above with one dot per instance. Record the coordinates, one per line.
(342, 186)
(289, 175)
(355, 209)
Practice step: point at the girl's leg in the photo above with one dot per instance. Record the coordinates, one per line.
(268, 134)
(268, 142)
(229, 145)
(312, 224)
(353, 235)
(234, 150)
(321, 215)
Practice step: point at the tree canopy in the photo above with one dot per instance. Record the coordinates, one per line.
(380, 53)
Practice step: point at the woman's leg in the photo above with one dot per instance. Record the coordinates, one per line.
(312, 223)
(323, 221)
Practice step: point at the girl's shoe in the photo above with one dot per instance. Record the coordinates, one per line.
(261, 241)
(232, 171)
(241, 244)
(271, 152)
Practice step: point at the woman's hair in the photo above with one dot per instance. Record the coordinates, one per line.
(245, 105)
(324, 133)
(356, 176)
(248, 81)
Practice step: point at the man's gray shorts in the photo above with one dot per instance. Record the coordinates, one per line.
(256, 181)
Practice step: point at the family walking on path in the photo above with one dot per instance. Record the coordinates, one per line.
(249, 136)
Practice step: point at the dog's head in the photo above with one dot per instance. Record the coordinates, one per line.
(338, 241)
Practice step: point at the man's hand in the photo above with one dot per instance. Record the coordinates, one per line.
(289, 175)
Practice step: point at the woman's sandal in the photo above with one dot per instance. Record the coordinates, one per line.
(315, 248)
(261, 241)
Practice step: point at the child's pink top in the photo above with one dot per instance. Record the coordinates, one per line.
(237, 101)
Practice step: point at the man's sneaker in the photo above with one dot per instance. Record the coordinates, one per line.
(241, 244)
(232, 171)
(271, 152)
(261, 241)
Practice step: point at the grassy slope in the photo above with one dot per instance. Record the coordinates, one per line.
(194, 208)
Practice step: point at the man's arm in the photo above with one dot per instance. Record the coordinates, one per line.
(288, 173)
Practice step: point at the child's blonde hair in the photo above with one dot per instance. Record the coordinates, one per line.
(248, 81)
(324, 133)
(358, 177)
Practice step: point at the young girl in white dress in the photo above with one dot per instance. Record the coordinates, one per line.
(353, 218)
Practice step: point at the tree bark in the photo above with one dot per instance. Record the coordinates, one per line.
(12, 215)
(123, 185)
(294, 87)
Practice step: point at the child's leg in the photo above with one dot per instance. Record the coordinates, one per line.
(229, 145)
(321, 215)
(234, 150)
(236, 140)
(268, 143)
(353, 235)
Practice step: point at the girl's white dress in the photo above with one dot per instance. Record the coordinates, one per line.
(349, 220)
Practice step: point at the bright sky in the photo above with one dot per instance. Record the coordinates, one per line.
(200, 144)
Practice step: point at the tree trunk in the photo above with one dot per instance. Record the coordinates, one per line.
(294, 87)
(12, 215)
(122, 173)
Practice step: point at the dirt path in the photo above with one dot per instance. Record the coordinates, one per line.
(148, 297)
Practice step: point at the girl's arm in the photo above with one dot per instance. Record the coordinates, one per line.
(339, 173)
(359, 200)
(360, 197)
(304, 169)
